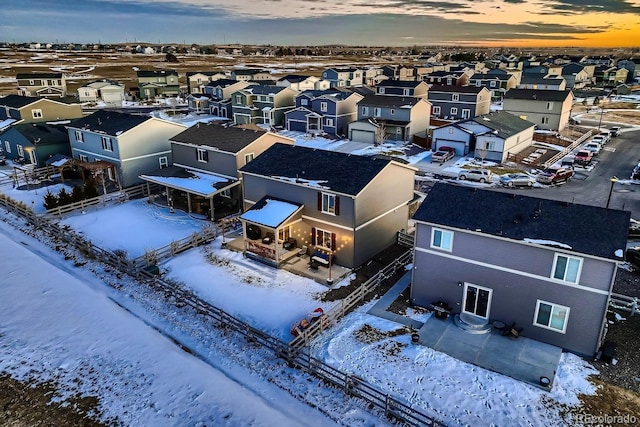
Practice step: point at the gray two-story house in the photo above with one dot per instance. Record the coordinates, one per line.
(219, 95)
(326, 111)
(333, 203)
(128, 145)
(45, 85)
(396, 118)
(549, 109)
(456, 103)
(204, 177)
(262, 104)
(404, 88)
(524, 261)
(152, 83)
(34, 143)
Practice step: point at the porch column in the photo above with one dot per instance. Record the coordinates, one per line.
(189, 202)
(166, 190)
(275, 241)
(211, 213)
(148, 190)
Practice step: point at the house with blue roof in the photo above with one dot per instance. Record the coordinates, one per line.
(262, 104)
(326, 112)
(345, 206)
(530, 263)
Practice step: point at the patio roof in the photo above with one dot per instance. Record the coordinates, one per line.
(271, 212)
(201, 184)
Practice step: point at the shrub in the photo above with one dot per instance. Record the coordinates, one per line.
(50, 200)
(77, 193)
(90, 189)
(64, 197)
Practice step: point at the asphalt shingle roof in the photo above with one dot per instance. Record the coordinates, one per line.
(109, 122)
(18, 101)
(537, 94)
(586, 229)
(388, 100)
(228, 139)
(339, 172)
(456, 89)
(503, 123)
(155, 73)
(21, 76)
(264, 89)
(398, 83)
(43, 134)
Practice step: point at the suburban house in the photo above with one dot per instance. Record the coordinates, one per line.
(126, 145)
(576, 75)
(446, 78)
(402, 88)
(549, 109)
(46, 85)
(343, 77)
(262, 104)
(373, 76)
(332, 200)
(327, 111)
(491, 136)
(554, 285)
(108, 91)
(34, 143)
(610, 76)
(382, 117)
(196, 80)
(251, 74)
(32, 109)
(633, 66)
(220, 92)
(497, 84)
(154, 83)
(535, 81)
(302, 83)
(459, 103)
(204, 177)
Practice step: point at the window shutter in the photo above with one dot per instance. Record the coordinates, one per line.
(319, 201)
(333, 241)
(313, 236)
(337, 205)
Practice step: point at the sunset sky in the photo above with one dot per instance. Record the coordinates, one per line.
(570, 23)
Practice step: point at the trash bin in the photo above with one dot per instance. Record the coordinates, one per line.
(545, 381)
(415, 338)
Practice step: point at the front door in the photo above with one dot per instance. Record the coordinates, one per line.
(476, 300)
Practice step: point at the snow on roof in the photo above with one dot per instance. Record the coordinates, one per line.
(6, 123)
(200, 183)
(271, 213)
(309, 182)
(547, 243)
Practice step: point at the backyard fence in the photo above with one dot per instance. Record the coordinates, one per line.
(406, 239)
(625, 303)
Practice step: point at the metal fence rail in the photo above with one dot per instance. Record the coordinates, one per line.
(625, 303)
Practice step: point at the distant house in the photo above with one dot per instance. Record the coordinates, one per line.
(130, 144)
(534, 81)
(262, 104)
(524, 261)
(154, 83)
(633, 66)
(34, 143)
(446, 78)
(372, 76)
(497, 84)
(382, 117)
(343, 77)
(108, 91)
(31, 109)
(459, 103)
(219, 92)
(610, 76)
(333, 200)
(303, 83)
(45, 85)
(196, 80)
(491, 136)
(251, 74)
(577, 76)
(549, 109)
(204, 176)
(402, 88)
(327, 111)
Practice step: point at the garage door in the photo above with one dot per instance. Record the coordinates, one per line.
(297, 126)
(460, 147)
(363, 136)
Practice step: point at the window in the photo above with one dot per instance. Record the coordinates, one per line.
(377, 111)
(107, 143)
(492, 84)
(478, 83)
(365, 111)
(466, 113)
(328, 122)
(441, 239)
(323, 107)
(381, 90)
(455, 97)
(79, 136)
(324, 239)
(239, 99)
(248, 157)
(436, 110)
(304, 101)
(31, 82)
(328, 204)
(164, 162)
(7, 147)
(392, 111)
(226, 193)
(566, 268)
(545, 120)
(202, 154)
(406, 92)
(83, 158)
(551, 316)
(37, 114)
(489, 145)
(450, 129)
(454, 111)
(20, 150)
(549, 105)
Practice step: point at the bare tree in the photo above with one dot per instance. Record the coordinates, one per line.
(381, 134)
(481, 153)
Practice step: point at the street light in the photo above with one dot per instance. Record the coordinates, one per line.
(602, 108)
(613, 180)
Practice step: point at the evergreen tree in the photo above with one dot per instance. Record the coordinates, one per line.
(76, 193)
(50, 200)
(64, 197)
(90, 189)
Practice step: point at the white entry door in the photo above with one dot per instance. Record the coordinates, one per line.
(476, 300)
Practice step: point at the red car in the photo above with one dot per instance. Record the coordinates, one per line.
(584, 157)
(443, 154)
(555, 175)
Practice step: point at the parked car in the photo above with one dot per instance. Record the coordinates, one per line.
(584, 157)
(635, 174)
(605, 136)
(479, 175)
(615, 131)
(517, 180)
(555, 175)
(598, 139)
(443, 154)
(594, 147)
(568, 161)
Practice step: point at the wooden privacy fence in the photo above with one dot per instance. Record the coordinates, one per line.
(356, 297)
(624, 302)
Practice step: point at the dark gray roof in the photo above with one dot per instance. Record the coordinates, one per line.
(398, 83)
(222, 83)
(586, 229)
(264, 89)
(456, 89)
(572, 68)
(22, 76)
(248, 71)
(339, 172)
(43, 134)
(503, 123)
(17, 101)
(109, 122)
(479, 76)
(228, 139)
(539, 79)
(155, 73)
(315, 93)
(293, 78)
(388, 100)
(537, 94)
(205, 73)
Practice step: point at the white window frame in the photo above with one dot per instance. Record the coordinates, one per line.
(328, 122)
(83, 158)
(7, 147)
(365, 111)
(490, 145)
(320, 241)
(549, 106)
(569, 258)
(479, 288)
(478, 83)
(455, 97)
(406, 92)
(107, 143)
(436, 110)
(443, 245)
(304, 101)
(226, 193)
(544, 120)
(323, 107)
(201, 152)
(466, 113)
(163, 161)
(392, 111)
(79, 136)
(238, 99)
(555, 308)
(492, 83)
(377, 111)
(248, 157)
(20, 150)
(454, 111)
(328, 203)
(36, 113)
(381, 90)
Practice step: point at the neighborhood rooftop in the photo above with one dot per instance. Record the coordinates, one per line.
(389, 101)
(519, 217)
(18, 101)
(42, 133)
(537, 94)
(228, 139)
(339, 172)
(503, 124)
(109, 122)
